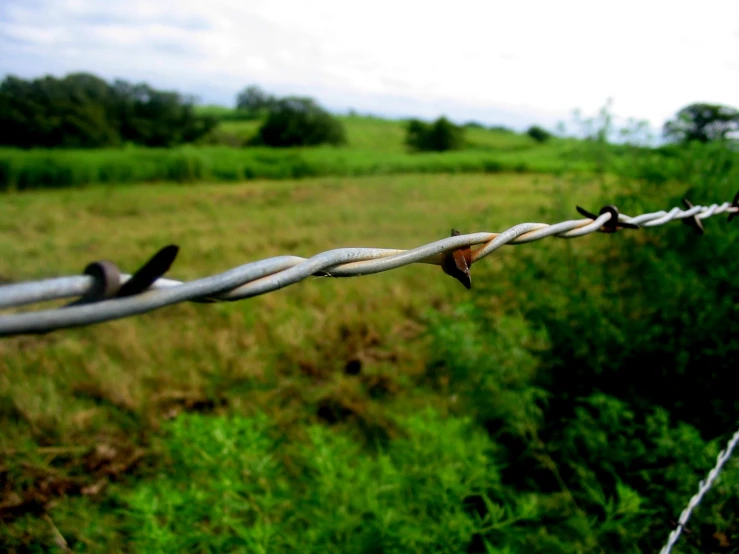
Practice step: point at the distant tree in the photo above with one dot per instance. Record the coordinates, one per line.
(255, 101)
(157, 118)
(296, 121)
(76, 111)
(474, 125)
(702, 123)
(539, 134)
(439, 136)
(501, 129)
(83, 111)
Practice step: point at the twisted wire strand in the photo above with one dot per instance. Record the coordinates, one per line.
(703, 488)
(271, 274)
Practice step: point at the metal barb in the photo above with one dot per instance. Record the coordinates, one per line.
(734, 204)
(693, 221)
(107, 279)
(152, 270)
(613, 224)
(457, 263)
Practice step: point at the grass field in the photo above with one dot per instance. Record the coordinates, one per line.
(375, 147)
(284, 354)
(396, 412)
(388, 136)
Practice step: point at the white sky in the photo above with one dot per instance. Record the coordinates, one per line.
(513, 62)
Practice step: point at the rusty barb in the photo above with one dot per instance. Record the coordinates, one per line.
(103, 293)
(457, 263)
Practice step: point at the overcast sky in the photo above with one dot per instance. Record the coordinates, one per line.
(513, 62)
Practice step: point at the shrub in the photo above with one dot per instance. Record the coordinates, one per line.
(295, 121)
(439, 136)
(538, 134)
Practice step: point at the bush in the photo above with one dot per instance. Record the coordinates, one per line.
(295, 121)
(538, 134)
(625, 467)
(439, 136)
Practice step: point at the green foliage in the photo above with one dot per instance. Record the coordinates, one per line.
(439, 136)
(539, 134)
(253, 102)
(489, 365)
(238, 484)
(223, 478)
(703, 123)
(297, 121)
(607, 471)
(83, 111)
(235, 485)
(648, 339)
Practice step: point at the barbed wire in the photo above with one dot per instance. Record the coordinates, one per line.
(703, 488)
(106, 294)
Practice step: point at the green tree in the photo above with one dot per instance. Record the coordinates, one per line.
(296, 121)
(439, 136)
(539, 134)
(255, 101)
(72, 112)
(83, 111)
(702, 123)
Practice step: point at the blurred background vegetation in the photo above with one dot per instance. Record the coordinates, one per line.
(570, 402)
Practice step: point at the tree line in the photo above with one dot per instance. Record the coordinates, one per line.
(84, 111)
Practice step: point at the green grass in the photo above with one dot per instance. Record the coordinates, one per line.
(515, 417)
(222, 113)
(409, 498)
(112, 385)
(376, 134)
(218, 227)
(376, 147)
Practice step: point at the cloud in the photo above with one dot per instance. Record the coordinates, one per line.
(525, 61)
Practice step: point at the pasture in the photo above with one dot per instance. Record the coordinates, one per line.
(396, 412)
(284, 354)
(375, 147)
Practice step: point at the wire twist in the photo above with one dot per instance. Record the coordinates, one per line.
(271, 274)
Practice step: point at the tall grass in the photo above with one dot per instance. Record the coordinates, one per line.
(41, 169)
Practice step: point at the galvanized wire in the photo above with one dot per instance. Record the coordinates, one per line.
(271, 274)
(703, 488)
